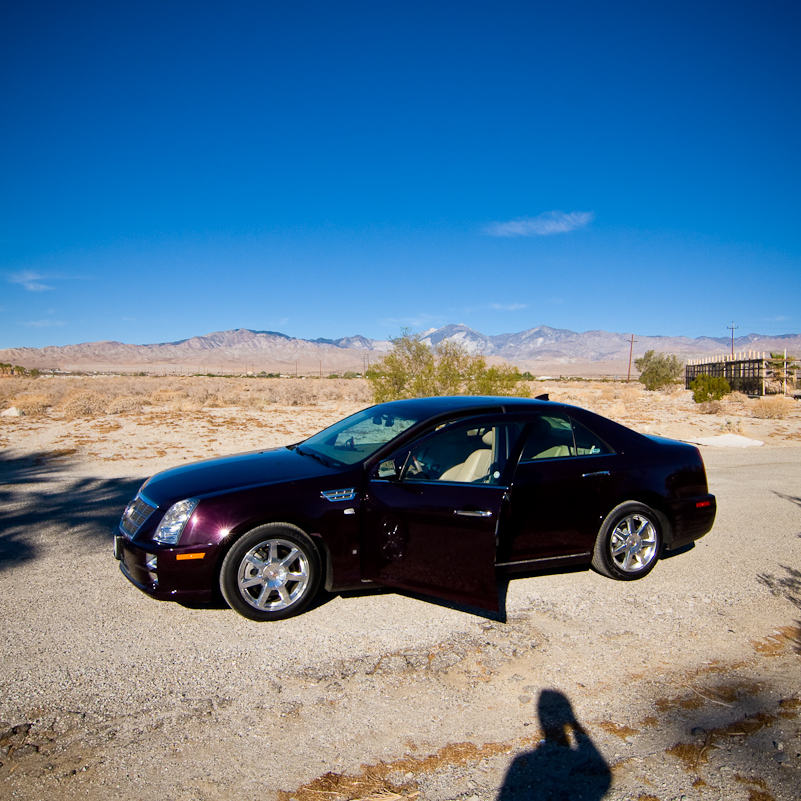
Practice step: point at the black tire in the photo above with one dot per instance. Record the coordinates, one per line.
(629, 542)
(271, 573)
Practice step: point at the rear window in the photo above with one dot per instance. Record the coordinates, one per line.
(557, 436)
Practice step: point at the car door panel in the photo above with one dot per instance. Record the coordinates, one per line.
(433, 537)
(556, 507)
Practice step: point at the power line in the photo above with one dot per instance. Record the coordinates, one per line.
(733, 329)
(631, 353)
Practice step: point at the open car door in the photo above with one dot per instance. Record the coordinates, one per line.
(430, 517)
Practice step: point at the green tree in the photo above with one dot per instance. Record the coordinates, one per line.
(708, 388)
(658, 369)
(412, 369)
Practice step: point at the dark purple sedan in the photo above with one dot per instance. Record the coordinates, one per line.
(433, 495)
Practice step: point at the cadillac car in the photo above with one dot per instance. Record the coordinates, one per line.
(437, 496)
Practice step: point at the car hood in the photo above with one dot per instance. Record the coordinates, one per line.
(213, 476)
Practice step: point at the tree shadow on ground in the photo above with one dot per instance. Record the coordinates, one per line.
(792, 498)
(42, 507)
(788, 587)
(566, 764)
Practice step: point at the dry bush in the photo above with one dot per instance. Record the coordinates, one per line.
(631, 395)
(732, 426)
(618, 411)
(12, 388)
(736, 399)
(313, 391)
(167, 395)
(124, 404)
(31, 404)
(772, 408)
(118, 394)
(710, 407)
(185, 405)
(82, 403)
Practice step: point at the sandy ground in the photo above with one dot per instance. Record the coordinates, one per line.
(682, 685)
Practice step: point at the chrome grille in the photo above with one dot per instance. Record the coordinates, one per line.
(135, 514)
(339, 495)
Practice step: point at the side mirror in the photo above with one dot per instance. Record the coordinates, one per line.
(388, 470)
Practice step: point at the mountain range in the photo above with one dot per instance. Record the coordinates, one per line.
(541, 349)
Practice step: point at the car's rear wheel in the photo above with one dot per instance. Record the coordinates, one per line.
(271, 573)
(629, 542)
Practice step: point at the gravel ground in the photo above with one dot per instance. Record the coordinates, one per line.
(682, 685)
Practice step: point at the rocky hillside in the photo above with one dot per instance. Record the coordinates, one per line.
(539, 349)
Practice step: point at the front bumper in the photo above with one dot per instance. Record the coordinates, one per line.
(168, 574)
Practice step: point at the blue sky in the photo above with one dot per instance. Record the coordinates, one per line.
(331, 168)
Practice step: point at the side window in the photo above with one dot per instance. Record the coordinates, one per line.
(461, 454)
(587, 444)
(550, 436)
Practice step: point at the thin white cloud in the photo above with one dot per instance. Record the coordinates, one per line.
(43, 323)
(508, 306)
(545, 224)
(30, 280)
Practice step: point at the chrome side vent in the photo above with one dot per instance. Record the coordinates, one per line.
(135, 515)
(339, 495)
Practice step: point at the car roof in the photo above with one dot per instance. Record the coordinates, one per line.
(454, 403)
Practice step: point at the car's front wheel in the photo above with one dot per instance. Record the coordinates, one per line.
(271, 573)
(628, 543)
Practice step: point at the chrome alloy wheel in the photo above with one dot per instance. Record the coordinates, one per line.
(633, 543)
(273, 575)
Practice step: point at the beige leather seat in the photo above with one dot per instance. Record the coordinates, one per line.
(476, 466)
(553, 453)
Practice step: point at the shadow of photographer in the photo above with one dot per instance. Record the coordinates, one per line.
(565, 764)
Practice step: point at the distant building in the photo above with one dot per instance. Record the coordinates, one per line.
(749, 372)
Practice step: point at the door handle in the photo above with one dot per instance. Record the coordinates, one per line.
(598, 473)
(472, 513)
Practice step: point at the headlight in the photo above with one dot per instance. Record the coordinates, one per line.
(172, 526)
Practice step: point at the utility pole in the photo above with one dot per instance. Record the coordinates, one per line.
(631, 353)
(733, 329)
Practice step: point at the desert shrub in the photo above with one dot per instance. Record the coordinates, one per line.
(630, 395)
(709, 388)
(82, 403)
(737, 399)
(732, 427)
(125, 403)
(412, 369)
(31, 404)
(167, 395)
(710, 407)
(772, 408)
(658, 370)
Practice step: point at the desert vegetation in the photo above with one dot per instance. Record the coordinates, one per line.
(413, 369)
(85, 396)
(110, 400)
(707, 388)
(658, 370)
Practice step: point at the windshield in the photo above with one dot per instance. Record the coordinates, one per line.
(356, 437)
